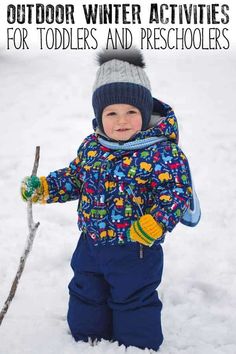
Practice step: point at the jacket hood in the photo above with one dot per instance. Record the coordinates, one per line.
(163, 123)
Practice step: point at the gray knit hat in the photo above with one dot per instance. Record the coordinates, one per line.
(122, 79)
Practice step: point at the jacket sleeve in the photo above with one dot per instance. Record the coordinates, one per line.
(172, 189)
(64, 184)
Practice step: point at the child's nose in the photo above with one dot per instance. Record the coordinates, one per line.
(122, 118)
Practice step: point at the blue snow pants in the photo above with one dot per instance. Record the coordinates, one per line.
(113, 294)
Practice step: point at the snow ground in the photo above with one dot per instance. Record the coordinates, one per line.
(45, 100)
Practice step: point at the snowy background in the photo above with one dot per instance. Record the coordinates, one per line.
(45, 99)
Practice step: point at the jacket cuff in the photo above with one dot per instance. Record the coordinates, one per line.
(166, 220)
(45, 190)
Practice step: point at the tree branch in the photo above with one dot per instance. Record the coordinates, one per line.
(32, 231)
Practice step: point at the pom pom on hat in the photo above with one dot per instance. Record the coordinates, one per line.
(131, 56)
(122, 79)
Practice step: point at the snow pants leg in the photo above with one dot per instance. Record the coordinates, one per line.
(113, 294)
(134, 300)
(89, 314)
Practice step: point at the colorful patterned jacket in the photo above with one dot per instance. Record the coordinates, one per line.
(115, 187)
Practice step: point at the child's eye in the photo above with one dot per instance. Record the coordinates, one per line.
(132, 112)
(111, 114)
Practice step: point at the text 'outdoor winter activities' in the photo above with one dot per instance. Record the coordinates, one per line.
(119, 14)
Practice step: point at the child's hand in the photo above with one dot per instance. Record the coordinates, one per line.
(146, 230)
(32, 189)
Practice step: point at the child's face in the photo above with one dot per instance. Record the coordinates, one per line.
(121, 121)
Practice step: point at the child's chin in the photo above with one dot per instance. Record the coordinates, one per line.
(123, 136)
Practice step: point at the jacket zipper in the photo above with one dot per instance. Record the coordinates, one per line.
(141, 255)
(140, 251)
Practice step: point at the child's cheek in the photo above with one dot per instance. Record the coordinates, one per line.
(108, 128)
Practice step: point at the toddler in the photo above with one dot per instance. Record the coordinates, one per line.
(133, 185)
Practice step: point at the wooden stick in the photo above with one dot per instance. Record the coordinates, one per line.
(32, 231)
(31, 224)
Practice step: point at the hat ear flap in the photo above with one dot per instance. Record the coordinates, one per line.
(94, 123)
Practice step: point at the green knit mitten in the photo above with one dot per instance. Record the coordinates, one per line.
(33, 189)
